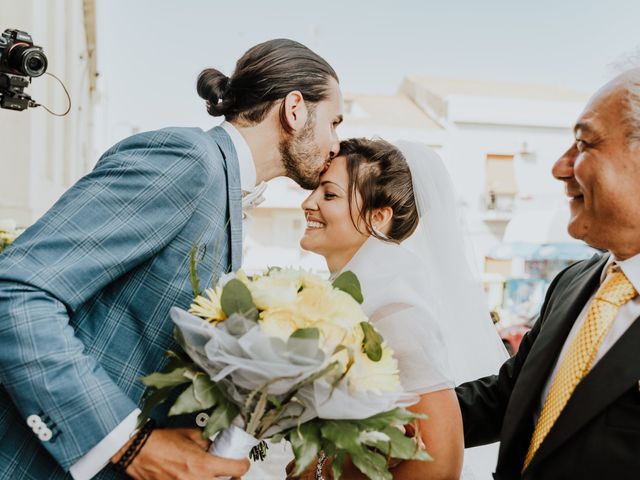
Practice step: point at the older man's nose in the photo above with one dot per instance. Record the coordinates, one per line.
(563, 168)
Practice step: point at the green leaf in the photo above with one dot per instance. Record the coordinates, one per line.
(343, 434)
(169, 379)
(178, 360)
(305, 442)
(372, 464)
(310, 333)
(185, 403)
(236, 298)
(151, 400)
(404, 447)
(397, 416)
(205, 391)
(193, 269)
(349, 283)
(309, 345)
(220, 418)
(258, 413)
(372, 342)
(338, 464)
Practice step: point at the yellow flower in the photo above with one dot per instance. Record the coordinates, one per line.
(279, 322)
(366, 375)
(311, 280)
(333, 312)
(208, 307)
(278, 289)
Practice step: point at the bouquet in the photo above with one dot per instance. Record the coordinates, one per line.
(287, 355)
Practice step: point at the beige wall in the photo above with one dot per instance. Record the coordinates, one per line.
(42, 155)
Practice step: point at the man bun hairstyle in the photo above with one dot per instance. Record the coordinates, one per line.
(264, 75)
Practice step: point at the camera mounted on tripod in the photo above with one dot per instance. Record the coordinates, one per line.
(20, 61)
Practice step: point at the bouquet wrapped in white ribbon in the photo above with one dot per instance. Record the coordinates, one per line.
(288, 355)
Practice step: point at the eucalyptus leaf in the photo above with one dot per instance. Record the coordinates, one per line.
(349, 283)
(236, 298)
(220, 418)
(372, 342)
(304, 342)
(205, 391)
(185, 403)
(173, 378)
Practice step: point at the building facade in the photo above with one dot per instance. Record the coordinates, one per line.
(43, 155)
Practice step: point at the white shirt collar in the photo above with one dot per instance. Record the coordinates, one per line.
(245, 158)
(630, 267)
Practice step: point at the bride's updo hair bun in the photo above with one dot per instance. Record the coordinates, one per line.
(213, 87)
(379, 172)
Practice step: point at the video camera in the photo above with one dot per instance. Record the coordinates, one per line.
(20, 61)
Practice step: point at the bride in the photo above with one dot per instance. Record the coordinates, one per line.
(388, 214)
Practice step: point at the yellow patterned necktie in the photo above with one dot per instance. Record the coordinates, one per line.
(615, 291)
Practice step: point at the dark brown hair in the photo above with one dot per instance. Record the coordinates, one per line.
(264, 75)
(379, 172)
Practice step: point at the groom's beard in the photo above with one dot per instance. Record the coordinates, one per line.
(302, 158)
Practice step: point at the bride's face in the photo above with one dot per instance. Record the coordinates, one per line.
(330, 228)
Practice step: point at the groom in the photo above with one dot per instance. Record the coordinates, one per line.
(568, 404)
(85, 292)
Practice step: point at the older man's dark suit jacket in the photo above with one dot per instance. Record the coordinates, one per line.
(597, 436)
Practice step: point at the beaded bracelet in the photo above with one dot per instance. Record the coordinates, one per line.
(134, 448)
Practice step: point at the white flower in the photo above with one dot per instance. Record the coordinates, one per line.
(365, 375)
(277, 289)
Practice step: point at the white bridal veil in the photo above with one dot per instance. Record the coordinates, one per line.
(452, 286)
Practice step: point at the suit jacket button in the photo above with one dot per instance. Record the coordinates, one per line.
(33, 420)
(202, 419)
(45, 435)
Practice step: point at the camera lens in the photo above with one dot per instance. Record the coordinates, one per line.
(27, 60)
(34, 63)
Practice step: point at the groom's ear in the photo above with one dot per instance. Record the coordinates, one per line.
(295, 111)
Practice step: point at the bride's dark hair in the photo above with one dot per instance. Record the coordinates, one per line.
(379, 172)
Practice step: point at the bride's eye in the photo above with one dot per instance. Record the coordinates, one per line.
(329, 196)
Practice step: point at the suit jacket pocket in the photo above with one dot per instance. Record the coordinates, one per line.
(625, 412)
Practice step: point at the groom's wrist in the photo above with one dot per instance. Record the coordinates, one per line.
(129, 451)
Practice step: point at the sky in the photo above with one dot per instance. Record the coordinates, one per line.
(151, 51)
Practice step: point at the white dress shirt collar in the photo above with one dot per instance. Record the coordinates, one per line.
(245, 158)
(631, 269)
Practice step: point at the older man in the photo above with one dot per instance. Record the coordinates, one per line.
(568, 404)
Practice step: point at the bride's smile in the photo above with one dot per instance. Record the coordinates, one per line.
(334, 229)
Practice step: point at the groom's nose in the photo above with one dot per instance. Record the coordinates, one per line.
(335, 146)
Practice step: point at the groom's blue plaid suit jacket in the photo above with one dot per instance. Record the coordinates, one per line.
(85, 292)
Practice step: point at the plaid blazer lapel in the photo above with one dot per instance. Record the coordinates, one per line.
(234, 194)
